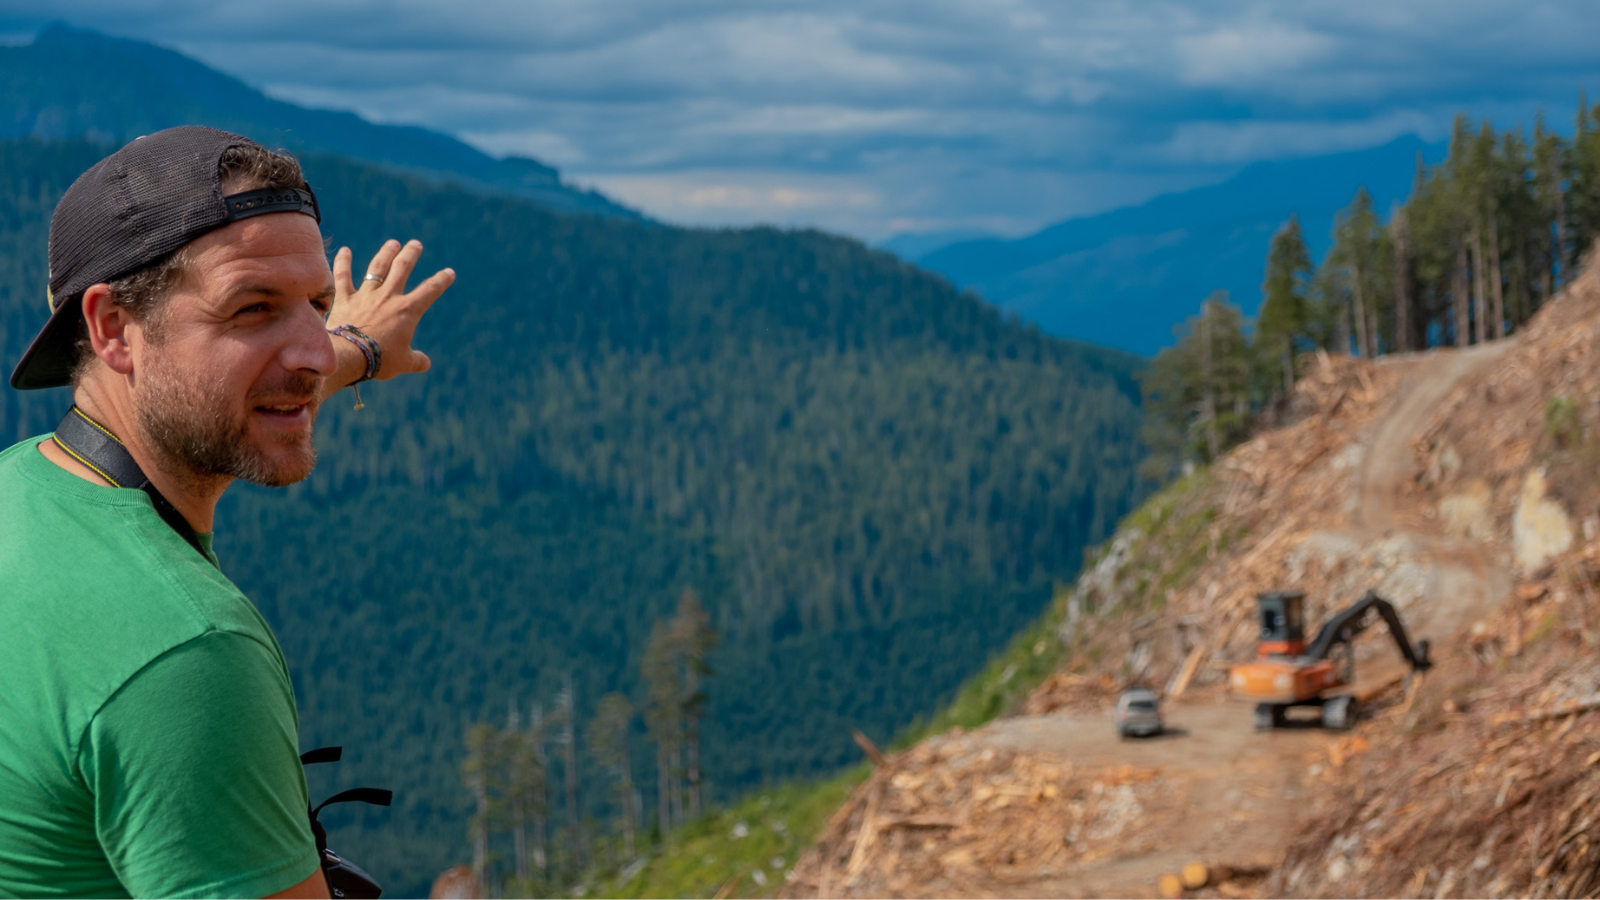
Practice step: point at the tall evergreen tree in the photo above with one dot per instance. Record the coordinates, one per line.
(479, 769)
(567, 716)
(522, 775)
(1197, 392)
(693, 639)
(608, 742)
(1550, 217)
(1583, 194)
(1282, 329)
(1358, 271)
(663, 715)
(1404, 290)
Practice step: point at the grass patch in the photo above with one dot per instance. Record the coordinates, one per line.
(1003, 683)
(773, 828)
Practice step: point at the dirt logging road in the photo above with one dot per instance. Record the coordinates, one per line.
(1055, 804)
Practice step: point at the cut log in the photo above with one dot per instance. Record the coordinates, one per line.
(920, 822)
(869, 748)
(1582, 704)
(865, 836)
(1195, 876)
(727, 890)
(1169, 886)
(1186, 673)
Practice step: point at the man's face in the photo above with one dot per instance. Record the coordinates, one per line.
(226, 383)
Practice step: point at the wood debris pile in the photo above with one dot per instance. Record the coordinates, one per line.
(1488, 786)
(947, 819)
(1067, 688)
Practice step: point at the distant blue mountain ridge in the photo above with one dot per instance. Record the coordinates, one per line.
(1127, 278)
(72, 82)
(1123, 279)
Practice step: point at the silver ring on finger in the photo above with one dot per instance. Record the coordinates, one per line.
(372, 277)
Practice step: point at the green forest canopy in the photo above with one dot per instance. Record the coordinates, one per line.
(871, 480)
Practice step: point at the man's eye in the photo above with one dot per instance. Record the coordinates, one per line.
(255, 308)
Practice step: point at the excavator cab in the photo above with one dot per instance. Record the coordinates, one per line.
(1283, 624)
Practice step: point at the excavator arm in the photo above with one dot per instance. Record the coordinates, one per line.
(1356, 618)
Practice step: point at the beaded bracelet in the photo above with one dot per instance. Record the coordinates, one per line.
(369, 349)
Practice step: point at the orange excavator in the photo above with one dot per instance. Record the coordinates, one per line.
(1288, 672)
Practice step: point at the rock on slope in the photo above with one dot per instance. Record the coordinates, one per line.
(1464, 486)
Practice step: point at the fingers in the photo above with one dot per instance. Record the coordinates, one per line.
(383, 260)
(342, 287)
(404, 262)
(429, 290)
(420, 361)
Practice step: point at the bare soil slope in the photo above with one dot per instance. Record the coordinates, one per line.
(1454, 482)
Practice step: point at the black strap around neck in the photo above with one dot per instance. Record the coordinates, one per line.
(95, 446)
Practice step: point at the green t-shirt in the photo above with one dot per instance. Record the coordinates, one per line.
(148, 732)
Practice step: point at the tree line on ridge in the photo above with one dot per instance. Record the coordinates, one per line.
(1486, 238)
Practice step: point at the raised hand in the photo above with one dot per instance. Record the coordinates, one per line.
(381, 307)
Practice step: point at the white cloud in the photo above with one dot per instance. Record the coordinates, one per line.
(1250, 55)
(552, 148)
(713, 197)
(997, 114)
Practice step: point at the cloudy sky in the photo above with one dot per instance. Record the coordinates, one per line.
(877, 118)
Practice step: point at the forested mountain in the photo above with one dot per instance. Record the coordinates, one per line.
(869, 478)
(1125, 278)
(72, 82)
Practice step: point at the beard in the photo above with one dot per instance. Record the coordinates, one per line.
(191, 424)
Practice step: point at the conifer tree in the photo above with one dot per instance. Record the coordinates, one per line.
(540, 793)
(519, 764)
(1282, 326)
(694, 639)
(1583, 194)
(1549, 179)
(608, 741)
(566, 716)
(480, 767)
(1197, 392)
(1357, 269)
(1404, 293)
(663, 715)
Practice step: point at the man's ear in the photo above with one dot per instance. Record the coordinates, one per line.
(108, 328)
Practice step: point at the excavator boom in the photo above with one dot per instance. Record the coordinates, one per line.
(1356, 618)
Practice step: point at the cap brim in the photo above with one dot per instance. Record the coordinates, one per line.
(48, 360)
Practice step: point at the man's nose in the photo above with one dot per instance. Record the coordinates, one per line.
(309, 348)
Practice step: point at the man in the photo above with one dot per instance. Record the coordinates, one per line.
(148, 732)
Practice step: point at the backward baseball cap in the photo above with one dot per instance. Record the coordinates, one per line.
(132, 208)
